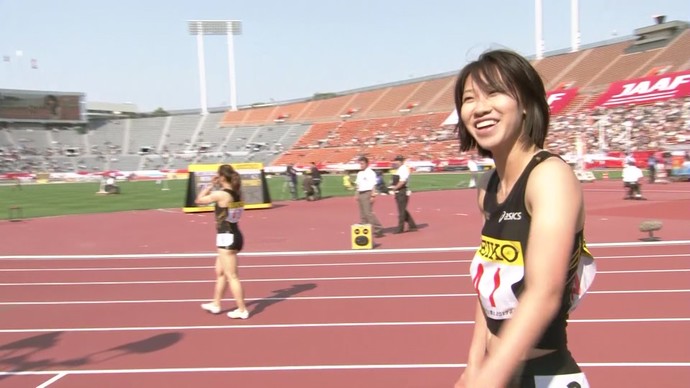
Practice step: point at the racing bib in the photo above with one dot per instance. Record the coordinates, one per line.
(496, 267)
(224, 239)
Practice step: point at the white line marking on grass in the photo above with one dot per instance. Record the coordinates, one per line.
(307, 298)
(318, 253)
(312, 325)
(280, 368)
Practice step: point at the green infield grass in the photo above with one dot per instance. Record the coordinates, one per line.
(41, 200)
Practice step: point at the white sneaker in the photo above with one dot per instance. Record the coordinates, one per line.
(237, 314)
(211, 308)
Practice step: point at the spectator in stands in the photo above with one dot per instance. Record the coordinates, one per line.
(532, 249)
(292, 181)
(632, 180)
(316, 177)
(365, 194)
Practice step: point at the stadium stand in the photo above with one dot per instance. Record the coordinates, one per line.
(381, 121)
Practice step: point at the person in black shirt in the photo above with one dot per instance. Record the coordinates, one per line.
(292, 181)
(308, 187)
(532, 266)
(316, 180)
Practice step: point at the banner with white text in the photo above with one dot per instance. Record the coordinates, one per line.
(646, 90)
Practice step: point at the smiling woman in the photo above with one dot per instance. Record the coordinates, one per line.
(504, 82)
(532, 266)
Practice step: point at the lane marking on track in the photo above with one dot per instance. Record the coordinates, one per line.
(280, 368)
(110, 283)
(307, 298)
(315, 279)
(289, 265)
(307, 265)
(322, 252)
(53, 379)
(322, 325)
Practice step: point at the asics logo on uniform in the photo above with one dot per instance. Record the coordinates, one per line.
(510, 216)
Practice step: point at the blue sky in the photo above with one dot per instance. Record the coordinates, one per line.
(140, 51)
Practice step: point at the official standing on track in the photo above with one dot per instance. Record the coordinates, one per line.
(365, 194)
(316, 180)
(291, 173)
(402, 195)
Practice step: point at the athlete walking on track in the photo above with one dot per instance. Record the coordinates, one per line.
(532, 266)
(229, 240)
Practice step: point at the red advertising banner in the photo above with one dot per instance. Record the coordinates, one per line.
(646, 90)
(559, 99)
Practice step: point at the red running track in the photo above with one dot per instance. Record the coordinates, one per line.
(375, 320)
(398, 316)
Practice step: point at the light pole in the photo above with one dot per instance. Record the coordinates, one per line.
(199, 28)
(574, 25)
(538, 28)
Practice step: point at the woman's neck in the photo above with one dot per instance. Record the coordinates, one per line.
(510, 165)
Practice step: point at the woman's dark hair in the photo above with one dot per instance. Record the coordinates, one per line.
(231, 176)
(506, 72)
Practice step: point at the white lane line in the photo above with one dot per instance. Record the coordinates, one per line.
(335, 278)
(627, 271)
(312, 325)
(243, 280)
(297, 265)
(53, 379)
(306, 298)
(321, 252)
(279, 368)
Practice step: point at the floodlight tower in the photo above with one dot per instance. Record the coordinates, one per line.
(574, 25)
(538, 28)
(216, 27)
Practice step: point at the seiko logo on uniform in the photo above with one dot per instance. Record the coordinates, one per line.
(510, 216)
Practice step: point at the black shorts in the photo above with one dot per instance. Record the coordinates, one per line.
(557, 369)
(231, 241)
